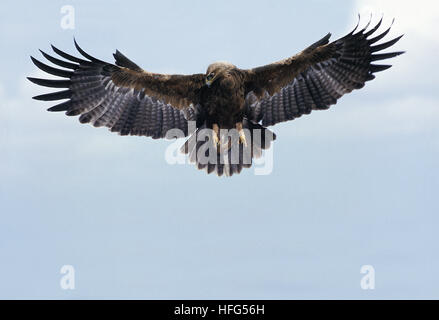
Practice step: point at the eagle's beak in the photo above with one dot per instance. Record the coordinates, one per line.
(210, 79)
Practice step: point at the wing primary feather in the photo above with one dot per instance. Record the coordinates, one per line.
(356, 27)
(51, 70)
(384, 56)
(378, 68)
(66, 94)
(86, 55)
(60, 107)
(368, 24)
(386, 44)
(59, 62)
(363, 29)
(382, 35)
(371, 31)
(68, 56)
(50, 83)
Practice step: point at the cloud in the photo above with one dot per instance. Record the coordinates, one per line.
(417, 20)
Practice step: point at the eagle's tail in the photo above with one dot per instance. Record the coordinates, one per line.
(230, 158)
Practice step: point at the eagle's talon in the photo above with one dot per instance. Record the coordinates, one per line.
(242, 138)
(215, 137)
(241, 132)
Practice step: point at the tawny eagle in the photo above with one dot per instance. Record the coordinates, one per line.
(132, 101)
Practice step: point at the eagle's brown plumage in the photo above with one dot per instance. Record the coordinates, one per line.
(132, 101)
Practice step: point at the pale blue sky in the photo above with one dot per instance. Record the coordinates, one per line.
(356, 185)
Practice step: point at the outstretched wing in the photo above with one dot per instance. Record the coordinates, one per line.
(315, 78)
(121, 96)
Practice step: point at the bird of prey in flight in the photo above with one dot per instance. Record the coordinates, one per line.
(131, 101)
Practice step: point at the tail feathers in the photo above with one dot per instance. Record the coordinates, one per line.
(230, 158)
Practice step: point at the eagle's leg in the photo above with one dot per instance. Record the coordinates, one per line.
(241, 134)
(215, 134)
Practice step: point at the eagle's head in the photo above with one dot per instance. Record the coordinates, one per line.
(216, 71)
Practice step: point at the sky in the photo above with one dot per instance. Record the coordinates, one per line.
(352, 186)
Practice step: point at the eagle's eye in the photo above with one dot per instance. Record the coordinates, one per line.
(210, 76)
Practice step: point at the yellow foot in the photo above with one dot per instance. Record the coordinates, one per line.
(241, 134)
(215, 134)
